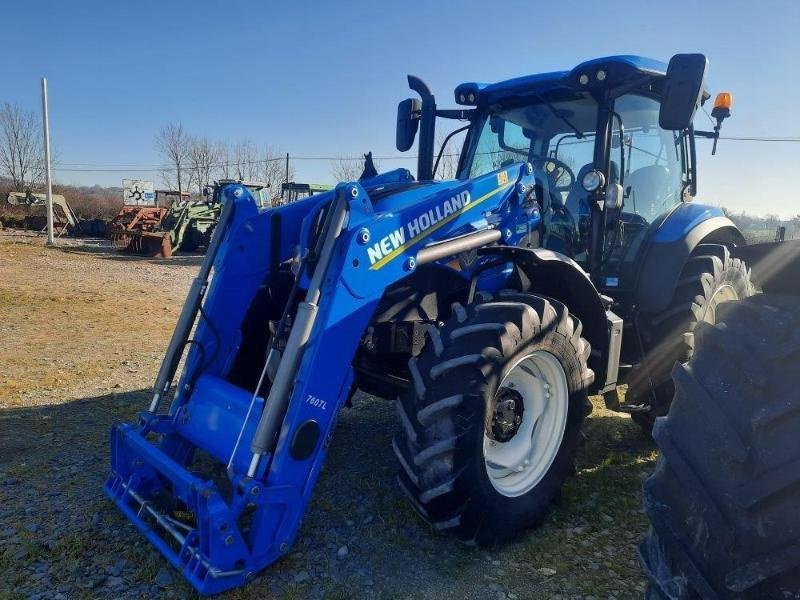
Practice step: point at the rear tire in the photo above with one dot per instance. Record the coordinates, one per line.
(723, 501)
(709, 278)
(451, 426)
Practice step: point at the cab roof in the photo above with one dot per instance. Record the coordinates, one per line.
(614, 70)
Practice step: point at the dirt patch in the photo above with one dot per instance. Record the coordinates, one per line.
(73, 316)
(82, 332)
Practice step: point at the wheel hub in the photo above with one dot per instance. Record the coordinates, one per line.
(507, 416)
(527, 423)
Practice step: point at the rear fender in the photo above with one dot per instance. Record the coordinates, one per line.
(775, 265)
(672, 241)
(557, 276)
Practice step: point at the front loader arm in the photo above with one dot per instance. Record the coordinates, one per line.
(236, 532)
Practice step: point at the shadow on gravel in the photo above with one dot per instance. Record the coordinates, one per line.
(109, 253)
(359, 538)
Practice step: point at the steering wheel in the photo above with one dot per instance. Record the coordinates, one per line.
(559, 172)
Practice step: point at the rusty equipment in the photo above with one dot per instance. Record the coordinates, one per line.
(136, 228)
(133, 219)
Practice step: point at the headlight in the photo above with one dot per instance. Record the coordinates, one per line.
(583, 79)
(471, 98)
(592, 181)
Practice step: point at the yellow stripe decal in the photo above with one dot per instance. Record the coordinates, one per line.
(397, 251)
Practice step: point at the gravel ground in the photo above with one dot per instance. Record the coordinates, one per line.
(82, 331)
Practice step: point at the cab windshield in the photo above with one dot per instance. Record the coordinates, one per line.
(558, 138)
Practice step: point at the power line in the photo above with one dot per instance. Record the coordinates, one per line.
(114, 168)
(134, 168)
(760, 139)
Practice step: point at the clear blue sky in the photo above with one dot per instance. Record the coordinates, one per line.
(324, 78)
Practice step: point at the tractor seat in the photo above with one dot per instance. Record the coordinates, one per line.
(648, 191)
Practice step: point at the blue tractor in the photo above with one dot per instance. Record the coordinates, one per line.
(566, 258)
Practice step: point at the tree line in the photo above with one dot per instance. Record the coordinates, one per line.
(192, 162)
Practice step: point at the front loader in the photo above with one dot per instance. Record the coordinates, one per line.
(490, 306)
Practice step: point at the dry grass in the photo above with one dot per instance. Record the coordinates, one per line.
(82, 332)
(69, 316)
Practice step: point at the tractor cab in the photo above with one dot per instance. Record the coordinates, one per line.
(611, 143)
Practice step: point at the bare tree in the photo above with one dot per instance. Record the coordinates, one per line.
(225, 168)
(349, 169)
(21, 147)
(245, 160)
(273, 170)
(203, 160)
(174, 144)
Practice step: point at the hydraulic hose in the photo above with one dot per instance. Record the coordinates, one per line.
(279, 394)
(191, 306)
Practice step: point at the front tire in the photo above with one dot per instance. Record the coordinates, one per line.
(709, 278)
(491, 423)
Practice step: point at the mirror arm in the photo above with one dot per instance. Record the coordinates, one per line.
(456, 113)
(712, 135)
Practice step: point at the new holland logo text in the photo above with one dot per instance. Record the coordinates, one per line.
(417, 227)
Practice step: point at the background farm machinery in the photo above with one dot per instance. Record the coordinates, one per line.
(125, 229)
(188, 224)
(28, 211)
(292, 191)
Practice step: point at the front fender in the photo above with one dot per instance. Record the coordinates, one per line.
(557, 276)
(672, 241)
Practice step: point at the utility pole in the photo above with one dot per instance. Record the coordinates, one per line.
(46, 127)
(287, 167)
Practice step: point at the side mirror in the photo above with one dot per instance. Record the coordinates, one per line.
(408, 115)
(683, 88)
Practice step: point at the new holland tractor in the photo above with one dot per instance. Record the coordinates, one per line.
(566, 258)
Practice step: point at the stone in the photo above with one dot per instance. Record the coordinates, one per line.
(301, 577)
(163, 578)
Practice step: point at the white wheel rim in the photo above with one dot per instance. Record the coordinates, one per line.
(518, 464)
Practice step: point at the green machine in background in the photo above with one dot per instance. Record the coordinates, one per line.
(189, 223)
(292, 191)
